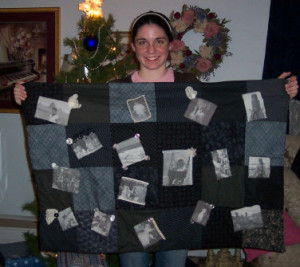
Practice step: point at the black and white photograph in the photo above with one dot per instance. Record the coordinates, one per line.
(52, 110)
(130, 151)
(247, 218)
(177, 167)
(86, 144)
(221, 163)
(67, 219)
(139, 109)
(201, 213)
(101, 222)
(133, 190)
(66, 179)
(148, 232)
(259, 167)
(255, 107)
(200, 111)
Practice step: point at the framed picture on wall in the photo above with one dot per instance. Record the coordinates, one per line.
(29, 49)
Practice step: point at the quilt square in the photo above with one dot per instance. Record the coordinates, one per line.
(169, 95)
(91, 242)
(102, 157)
(49, 197)
(228, 98)
(146, 174)
(265, 139)
(146, 133)
(270, 88)
(224, 135)
(34, 90)
(128, 240)
(220, 226)
(229, 192)
(54, 238)
(94, 100)
(120, 93)
(95, 182)
(188, 234)
(270, 236)
(47, 145)
(268, 193)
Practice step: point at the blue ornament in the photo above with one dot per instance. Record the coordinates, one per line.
(90, 43)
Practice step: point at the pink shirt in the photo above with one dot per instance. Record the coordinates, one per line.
(168, 77)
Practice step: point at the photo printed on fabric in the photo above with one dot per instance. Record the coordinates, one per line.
(133, 190)
(148, 232)
(66, 179)
(255, 106)
(102, 222)
(52, 110)
(130, 151)
(67, 219)
(200, 111)
(139, 109)
(247, 218)
(201, 212)
(221, 163)
(177, 167)
(85, 143)
(259, 167)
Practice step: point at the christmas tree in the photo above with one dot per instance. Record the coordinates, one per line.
(97, 56)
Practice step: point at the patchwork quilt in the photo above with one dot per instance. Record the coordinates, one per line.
(122, 167)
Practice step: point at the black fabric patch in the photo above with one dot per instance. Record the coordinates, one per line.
(170, 95)
(227, 192)
(270, 88)
(296, 164)
(227, 96)
(127, 238)
(101, 157)
(54, 239)
(266, 192)
(34, 90)
(182, 233)
(48, 197)
(219, 227)
(148, 134)
(94, 101)
(180, 136)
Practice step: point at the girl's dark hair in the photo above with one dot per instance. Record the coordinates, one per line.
(152, 17)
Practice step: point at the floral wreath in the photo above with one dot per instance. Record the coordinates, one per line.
(215, 43)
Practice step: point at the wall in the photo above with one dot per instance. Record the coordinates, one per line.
(248, 28)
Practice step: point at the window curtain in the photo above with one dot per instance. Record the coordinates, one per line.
(283, 40)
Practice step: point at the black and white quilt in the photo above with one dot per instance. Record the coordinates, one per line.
(122, 167)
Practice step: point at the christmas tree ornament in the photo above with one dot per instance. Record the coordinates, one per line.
(71, 58)
(90, 43)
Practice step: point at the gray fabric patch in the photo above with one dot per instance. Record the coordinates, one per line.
(47, 145)
(119, 93)
(96, 190)
(265, 139)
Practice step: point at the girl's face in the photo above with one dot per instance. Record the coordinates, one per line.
(151, 47)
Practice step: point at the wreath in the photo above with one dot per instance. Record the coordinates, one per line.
(210, 55)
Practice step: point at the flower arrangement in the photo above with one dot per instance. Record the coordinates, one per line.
(210, 55)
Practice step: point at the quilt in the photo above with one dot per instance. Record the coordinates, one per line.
(122, 167)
